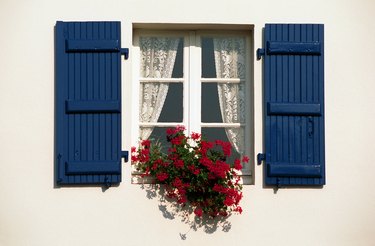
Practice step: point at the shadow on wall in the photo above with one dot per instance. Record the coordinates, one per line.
(171, 210)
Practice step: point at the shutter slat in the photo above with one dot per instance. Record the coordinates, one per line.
(92, 46)
(293, 91)
(294, 170)
(293, 48)
(293, 108)
(96, 106)
(90, 167)
(88, 102)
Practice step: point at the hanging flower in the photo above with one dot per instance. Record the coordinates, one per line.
(194, 171)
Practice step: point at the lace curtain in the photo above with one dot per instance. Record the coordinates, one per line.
(158, 56)
(230, 63)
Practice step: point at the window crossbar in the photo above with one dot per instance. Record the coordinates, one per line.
(160, 124)
(180, 80)
(161, 80)
(222, 80)
(223, 125)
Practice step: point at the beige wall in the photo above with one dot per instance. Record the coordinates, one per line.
(33, 212)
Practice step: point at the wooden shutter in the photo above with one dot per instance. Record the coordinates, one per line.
(88, 102)
(294, 104)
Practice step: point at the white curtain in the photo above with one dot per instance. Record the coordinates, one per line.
(230, 63)
(158, 55)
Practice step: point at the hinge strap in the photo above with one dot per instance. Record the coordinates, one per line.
(260, 53)
(125, 52)
(261, 157)
(125, 155)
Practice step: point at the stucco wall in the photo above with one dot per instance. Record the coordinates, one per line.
(33, 212)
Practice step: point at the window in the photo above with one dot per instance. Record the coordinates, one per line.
(199, 79)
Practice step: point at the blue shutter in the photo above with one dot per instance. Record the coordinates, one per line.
(294, 104)
(88, 103)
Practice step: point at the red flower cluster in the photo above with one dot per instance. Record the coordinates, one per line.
(162, 176)
(194, 171)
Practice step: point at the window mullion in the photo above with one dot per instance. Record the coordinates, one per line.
(194, 83)
(186, 84)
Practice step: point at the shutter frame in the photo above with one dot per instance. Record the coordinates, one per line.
(294, 104)
(88, 103)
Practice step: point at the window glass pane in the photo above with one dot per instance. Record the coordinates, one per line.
(173, 105)
(210, 110)
(178, 71)
(229, 56)
(159, 136)
(208, 60)
(218, 133)
(161, 57)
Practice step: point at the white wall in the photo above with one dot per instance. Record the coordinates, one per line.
(33, 212)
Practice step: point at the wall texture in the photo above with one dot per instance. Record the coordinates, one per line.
(33, 212)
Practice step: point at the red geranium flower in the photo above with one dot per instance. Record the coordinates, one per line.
(198, 212)
(146, 143)
(195, 136)
(237, 164)
(162, 176)
(245, 159)
(194, 172)
(179, 163)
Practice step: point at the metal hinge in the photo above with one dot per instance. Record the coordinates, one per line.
(261, 157)
(260, 52)
(125, 155)
(125, 52)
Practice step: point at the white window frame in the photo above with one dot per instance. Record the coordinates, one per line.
(192, 82)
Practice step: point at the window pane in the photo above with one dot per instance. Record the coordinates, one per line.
(158, 135)
(212, 134)
(230, 57)
(210, 103)
(208, 60)
(178, 71)
(173, 105)
(161, 57)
